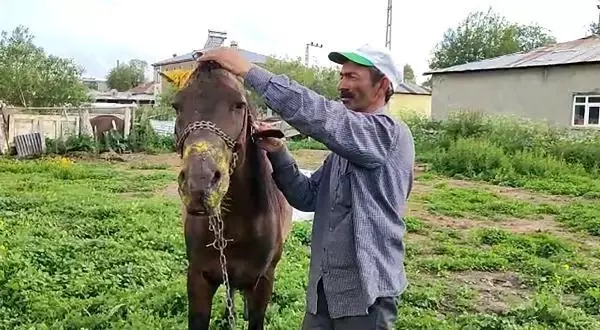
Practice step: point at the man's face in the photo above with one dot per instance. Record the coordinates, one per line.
(356, 87)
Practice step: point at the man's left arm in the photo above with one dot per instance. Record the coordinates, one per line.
(362, 138)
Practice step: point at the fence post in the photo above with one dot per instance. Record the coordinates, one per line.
(3, 132)
(127, 122)
(85, 127)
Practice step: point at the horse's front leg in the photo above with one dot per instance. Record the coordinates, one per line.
(200, 295)
(257, 300)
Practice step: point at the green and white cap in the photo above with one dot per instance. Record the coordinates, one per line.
(368, 55)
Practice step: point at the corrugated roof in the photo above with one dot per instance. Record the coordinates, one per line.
(406, 87)
(584, 50)
(250, 56)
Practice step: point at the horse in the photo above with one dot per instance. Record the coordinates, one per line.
(104, 123)
(235, 217)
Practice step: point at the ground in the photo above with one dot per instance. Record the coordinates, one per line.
(97, 244)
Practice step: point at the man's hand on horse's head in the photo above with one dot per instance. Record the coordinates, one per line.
(229, 59)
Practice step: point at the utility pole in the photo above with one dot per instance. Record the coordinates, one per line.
(388, 26)
(308, 45)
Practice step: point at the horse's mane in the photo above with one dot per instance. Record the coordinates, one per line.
(264, 190)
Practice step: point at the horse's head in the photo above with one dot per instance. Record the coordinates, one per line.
(211, 129)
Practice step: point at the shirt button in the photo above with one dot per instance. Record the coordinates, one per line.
(330, 228)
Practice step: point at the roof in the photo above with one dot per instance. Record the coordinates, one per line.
(250, 56)
(584, 50)
(406, 87)
(143, 88)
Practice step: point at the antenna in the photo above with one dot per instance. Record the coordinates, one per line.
(388, 26)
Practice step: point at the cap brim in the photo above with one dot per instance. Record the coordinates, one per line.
(342, 57)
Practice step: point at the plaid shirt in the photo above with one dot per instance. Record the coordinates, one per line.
(358, 195)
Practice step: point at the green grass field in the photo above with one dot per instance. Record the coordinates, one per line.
(99, 245)
(503, 232)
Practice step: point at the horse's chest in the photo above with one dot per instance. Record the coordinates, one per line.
(249, 251)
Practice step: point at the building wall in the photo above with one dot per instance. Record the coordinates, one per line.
(536, 93)
(189, 65)
(404, 103)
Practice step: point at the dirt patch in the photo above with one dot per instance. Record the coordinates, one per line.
(497, 291)
(170, 191)
(169, 160)
(546, 224)
(509, 192)
(310, 159)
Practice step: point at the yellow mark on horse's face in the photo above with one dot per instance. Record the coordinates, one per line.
(200, 147)
(221, 159)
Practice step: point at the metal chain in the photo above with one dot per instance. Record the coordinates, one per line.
(216, 225)
(208, 126)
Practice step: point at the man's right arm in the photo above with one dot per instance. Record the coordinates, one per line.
(299, 189)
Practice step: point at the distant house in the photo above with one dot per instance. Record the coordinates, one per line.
(409, 97)
(187, 62)
(141, 94)
(559, 83)
(94, 84)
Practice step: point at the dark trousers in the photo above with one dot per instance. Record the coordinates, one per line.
(381, 316)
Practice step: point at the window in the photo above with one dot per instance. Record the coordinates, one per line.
(586, 110)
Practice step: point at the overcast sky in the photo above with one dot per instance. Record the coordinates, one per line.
(97, 33)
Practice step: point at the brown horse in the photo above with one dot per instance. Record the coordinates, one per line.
(225, 176)
(104, 123)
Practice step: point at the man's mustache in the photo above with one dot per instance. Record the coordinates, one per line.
(346, 94)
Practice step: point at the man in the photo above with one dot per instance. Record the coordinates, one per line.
(359, 193)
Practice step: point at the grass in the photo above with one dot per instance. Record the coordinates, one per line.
(502, 233)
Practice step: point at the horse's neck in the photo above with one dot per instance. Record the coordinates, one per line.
(249, 186)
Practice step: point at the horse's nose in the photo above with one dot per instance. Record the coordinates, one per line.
(203, 179)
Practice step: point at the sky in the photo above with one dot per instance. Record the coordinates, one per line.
(98, 33)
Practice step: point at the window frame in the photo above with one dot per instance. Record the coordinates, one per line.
(586, 115)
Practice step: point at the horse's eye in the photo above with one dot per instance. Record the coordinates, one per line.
(239, 105)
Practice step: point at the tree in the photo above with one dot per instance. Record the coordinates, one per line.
(483, 35)
(323, 80)
(30, 77)
(126, 76)
(595, 28)
(409, 74)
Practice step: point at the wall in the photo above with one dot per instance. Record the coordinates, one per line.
(163, 83)
(57, 123)
(420, 104)
(536, 93)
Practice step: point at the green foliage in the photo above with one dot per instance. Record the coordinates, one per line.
(322, 80)
(483, 35)
(409, 74)
(306, 143)
(126, 76)
(30, 77)
(511, 151)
